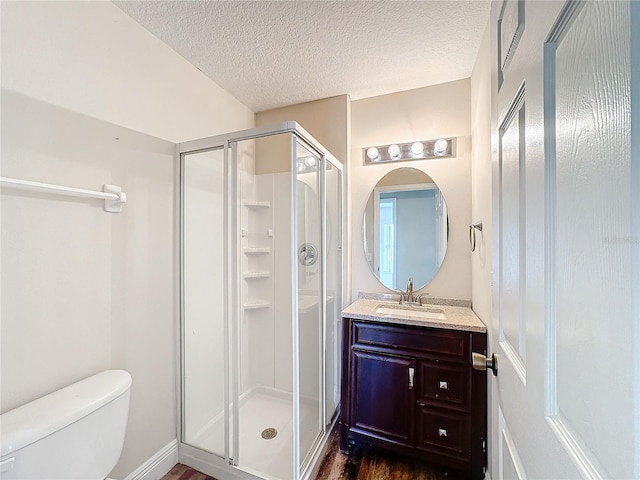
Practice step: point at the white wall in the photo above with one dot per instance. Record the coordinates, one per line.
(83, 290)
(481, 211)
(329, 121)
(481, 207)
(91, 57)
(421, 114)
(326, 120)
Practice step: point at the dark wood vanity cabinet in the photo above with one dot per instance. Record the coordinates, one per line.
(412, 390)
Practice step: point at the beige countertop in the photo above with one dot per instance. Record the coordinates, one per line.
(457, 318)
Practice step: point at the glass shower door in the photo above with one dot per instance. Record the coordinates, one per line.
(204, 288)
(260, 290)
(308, 328)
(262, 394)
(333, 300)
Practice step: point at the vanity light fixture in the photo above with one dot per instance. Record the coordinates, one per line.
(400, 152)
(307, 164)
(417, 149)
(440, 147)
(394, 151)
(373, 154)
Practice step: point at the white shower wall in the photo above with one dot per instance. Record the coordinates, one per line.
(257, 326)
(267, 354)
(283, 358)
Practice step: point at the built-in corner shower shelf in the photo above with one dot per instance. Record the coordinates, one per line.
(263, 274)
(255, 305)
(256, 250)
(246, 233)
(256, 204)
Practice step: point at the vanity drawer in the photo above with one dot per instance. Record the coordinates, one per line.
(444, 385)
(444, 433)
(452, 343)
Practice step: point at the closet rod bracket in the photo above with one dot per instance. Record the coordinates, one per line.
(114, 205)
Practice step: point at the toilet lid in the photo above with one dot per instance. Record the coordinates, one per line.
(42, 417)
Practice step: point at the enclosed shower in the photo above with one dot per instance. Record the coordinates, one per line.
(260, 298)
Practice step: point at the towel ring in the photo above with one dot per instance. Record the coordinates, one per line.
(472, 234)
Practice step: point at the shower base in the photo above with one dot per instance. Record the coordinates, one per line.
(260, 409)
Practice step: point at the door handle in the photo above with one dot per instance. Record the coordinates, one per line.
(480, 362)
(412, 372)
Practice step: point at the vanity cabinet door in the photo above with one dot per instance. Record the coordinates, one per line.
(382, 396)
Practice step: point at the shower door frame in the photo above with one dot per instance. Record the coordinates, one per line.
(326, 158)
(205, 461)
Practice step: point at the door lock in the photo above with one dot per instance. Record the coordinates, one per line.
(480, 362)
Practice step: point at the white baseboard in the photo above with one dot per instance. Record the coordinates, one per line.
(158, 465)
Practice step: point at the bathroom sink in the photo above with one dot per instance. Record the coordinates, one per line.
(426, 313)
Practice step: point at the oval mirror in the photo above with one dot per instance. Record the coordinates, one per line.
(405, 229)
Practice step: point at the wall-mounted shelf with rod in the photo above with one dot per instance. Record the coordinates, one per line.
(112, 195)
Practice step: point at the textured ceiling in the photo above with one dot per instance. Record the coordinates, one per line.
(274, 53)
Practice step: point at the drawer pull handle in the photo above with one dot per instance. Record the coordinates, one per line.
(412, 372)
(444, 385)
(442, 432)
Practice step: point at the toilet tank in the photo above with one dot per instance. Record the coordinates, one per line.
(74, 433)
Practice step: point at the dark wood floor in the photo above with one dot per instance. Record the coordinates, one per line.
(362, 464)
(182, 472)
(365, 464)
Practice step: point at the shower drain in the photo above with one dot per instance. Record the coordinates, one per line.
(269, 433)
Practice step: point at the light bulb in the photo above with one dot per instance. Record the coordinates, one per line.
(440, 147)
(417, 149)
(300, 167)
(373, 154)
(310, 161)
(394, 151)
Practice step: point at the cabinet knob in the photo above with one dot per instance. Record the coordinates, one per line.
(442, 432)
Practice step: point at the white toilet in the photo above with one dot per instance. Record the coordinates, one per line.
(71, 434)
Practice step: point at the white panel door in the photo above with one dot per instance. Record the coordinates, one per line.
(567, 246)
